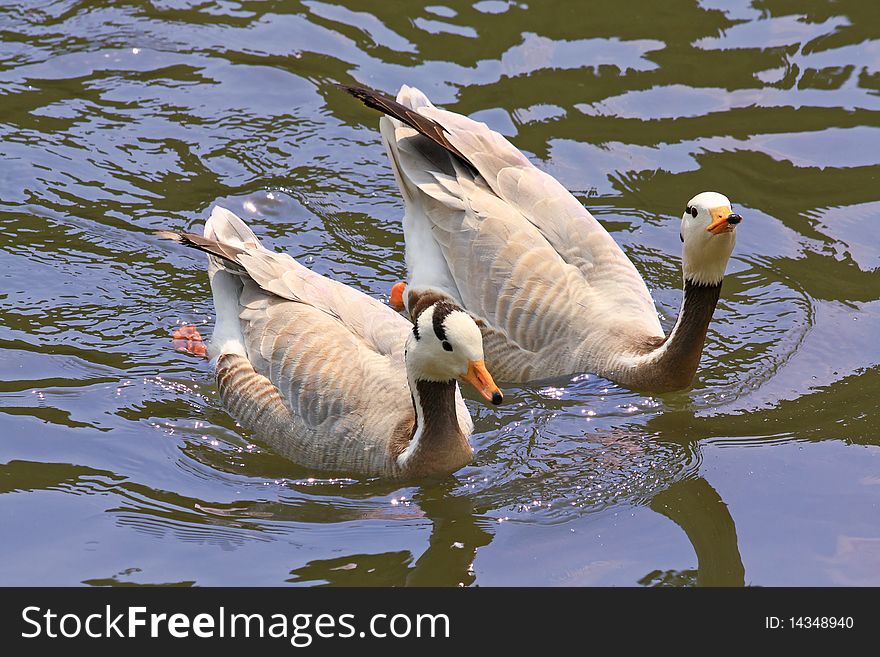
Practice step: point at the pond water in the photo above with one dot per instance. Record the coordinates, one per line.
(118, 464)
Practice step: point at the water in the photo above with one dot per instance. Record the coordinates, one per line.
(118, 464)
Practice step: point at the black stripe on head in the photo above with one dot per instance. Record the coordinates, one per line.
(441, 312)
(419, 302)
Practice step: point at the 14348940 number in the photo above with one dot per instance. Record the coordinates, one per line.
(821, 622)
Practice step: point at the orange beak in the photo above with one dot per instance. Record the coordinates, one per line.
(396, 298)
(723, 220)
(478, 376)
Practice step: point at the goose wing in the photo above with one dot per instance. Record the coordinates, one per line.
(523, 252)
(347, 400)
(237, 250)
(333, 354)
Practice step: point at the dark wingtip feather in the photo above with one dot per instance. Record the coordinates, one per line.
(363, 94)
(186, 239)
(430, 129)
(378, 101)
(355, 90)
(172, 235)
(227, 252)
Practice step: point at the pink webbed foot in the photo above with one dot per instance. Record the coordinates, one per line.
(188, 339)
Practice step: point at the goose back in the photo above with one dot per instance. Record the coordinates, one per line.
(551, 289)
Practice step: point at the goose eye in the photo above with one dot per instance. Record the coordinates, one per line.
(447, 346)
(693, 212)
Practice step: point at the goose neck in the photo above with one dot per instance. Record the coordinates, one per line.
(670, 364)
(438, 444)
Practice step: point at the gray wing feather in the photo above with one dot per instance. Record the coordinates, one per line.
(551, 285)
(318, 368)
(540, 199)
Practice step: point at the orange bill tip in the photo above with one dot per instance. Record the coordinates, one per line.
(717, 226)
(478, 376)
(721, 220)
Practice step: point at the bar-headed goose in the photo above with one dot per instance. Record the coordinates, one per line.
(329, 377)
(551, 290)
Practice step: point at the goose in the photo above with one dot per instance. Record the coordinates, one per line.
(329, 377)
(550, 289)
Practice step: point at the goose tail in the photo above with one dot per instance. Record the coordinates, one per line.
(224, 238)
(412, 99)
(416, 160)
(227, 229)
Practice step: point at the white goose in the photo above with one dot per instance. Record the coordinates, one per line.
(549, 287)
(329, 377)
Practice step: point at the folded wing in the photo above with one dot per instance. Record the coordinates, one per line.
(520, 250)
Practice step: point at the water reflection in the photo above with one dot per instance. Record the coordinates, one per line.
(457, 532)
(461, 524)
(123, 118)
(697, 508)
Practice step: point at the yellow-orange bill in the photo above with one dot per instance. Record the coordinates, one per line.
(719, 220)
(478, 376)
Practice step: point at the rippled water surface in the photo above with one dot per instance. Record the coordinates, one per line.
(118, 464)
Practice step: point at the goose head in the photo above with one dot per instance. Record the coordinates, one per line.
(445, 345)
(708, 232)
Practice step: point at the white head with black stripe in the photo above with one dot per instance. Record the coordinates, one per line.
(445, 345)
